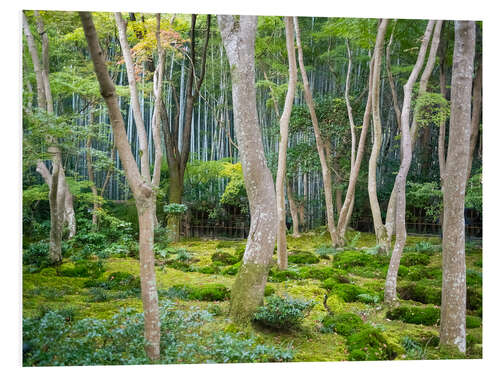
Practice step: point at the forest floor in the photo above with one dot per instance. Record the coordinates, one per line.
(355, 286)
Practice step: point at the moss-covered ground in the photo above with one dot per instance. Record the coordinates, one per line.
(50, 290)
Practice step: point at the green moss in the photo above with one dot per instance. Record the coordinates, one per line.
(369, 344)
(349, 292)
(473, 321)
(82, 268)
(269, 290)
(209, 270)
(413, 259)
(302, 257)
(344, 324)
(318, 273)
(211, 292)
(416, 315)
(420, 272)
(247, 292)
(422, 291)
(277, 276)
(474, 299)
(232, 270)
(224, 258)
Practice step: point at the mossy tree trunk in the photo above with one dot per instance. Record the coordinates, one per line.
(453, 302)
(238, 36)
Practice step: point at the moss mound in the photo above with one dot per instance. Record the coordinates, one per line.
(277, 276)
(224, 258)
(232, 270)
(83, 268)
(416, 315)
(369, 344)
(421, 291)
(210, 292)
(302, 257)
(413, 259)
(344, 324)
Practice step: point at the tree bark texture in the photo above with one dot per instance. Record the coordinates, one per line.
(400, 183)
(284, 120)
(294, 211)
(476, 113)
(380, 231)
(452, 327)
(141, 190)
(238, 36)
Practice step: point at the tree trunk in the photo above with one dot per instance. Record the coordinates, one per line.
(293, 209)
(452, 327)
(284, 120)
(141, 190)
(248, 288)
(323, 157)
(400, 183)
(476, 113)
(380, 231)
(347, 207)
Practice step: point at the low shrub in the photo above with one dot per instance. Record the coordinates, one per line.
(224, 258)
(369, 344)
(36, 255)
(54, 340)
(98, 295)
(424, 247)
(120, 281)
(416, 315)
(413, 259)
(181, 266)
(283, 313)
(302, 257)
(473, 321)
(344, 324)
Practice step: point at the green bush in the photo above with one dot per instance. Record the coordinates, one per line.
(473, 321)
(424, 247)
(224, 258)
(84, 268)
(283, 313)
(302, 257)
(369, 344)
(37, 255)
(413, 259)
(416, 315)
(344, 324)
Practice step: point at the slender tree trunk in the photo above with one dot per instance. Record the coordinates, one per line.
(391, 208)
(443, 46)
(347, 207)
(380, 231)
(293, 209)
(452, 327)
(90, 171)
(141, 190)
(248, 288)
(323, 157)
(394, 94)
(400, 183)
(57, 183)
(476, 113)
(283, 144)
